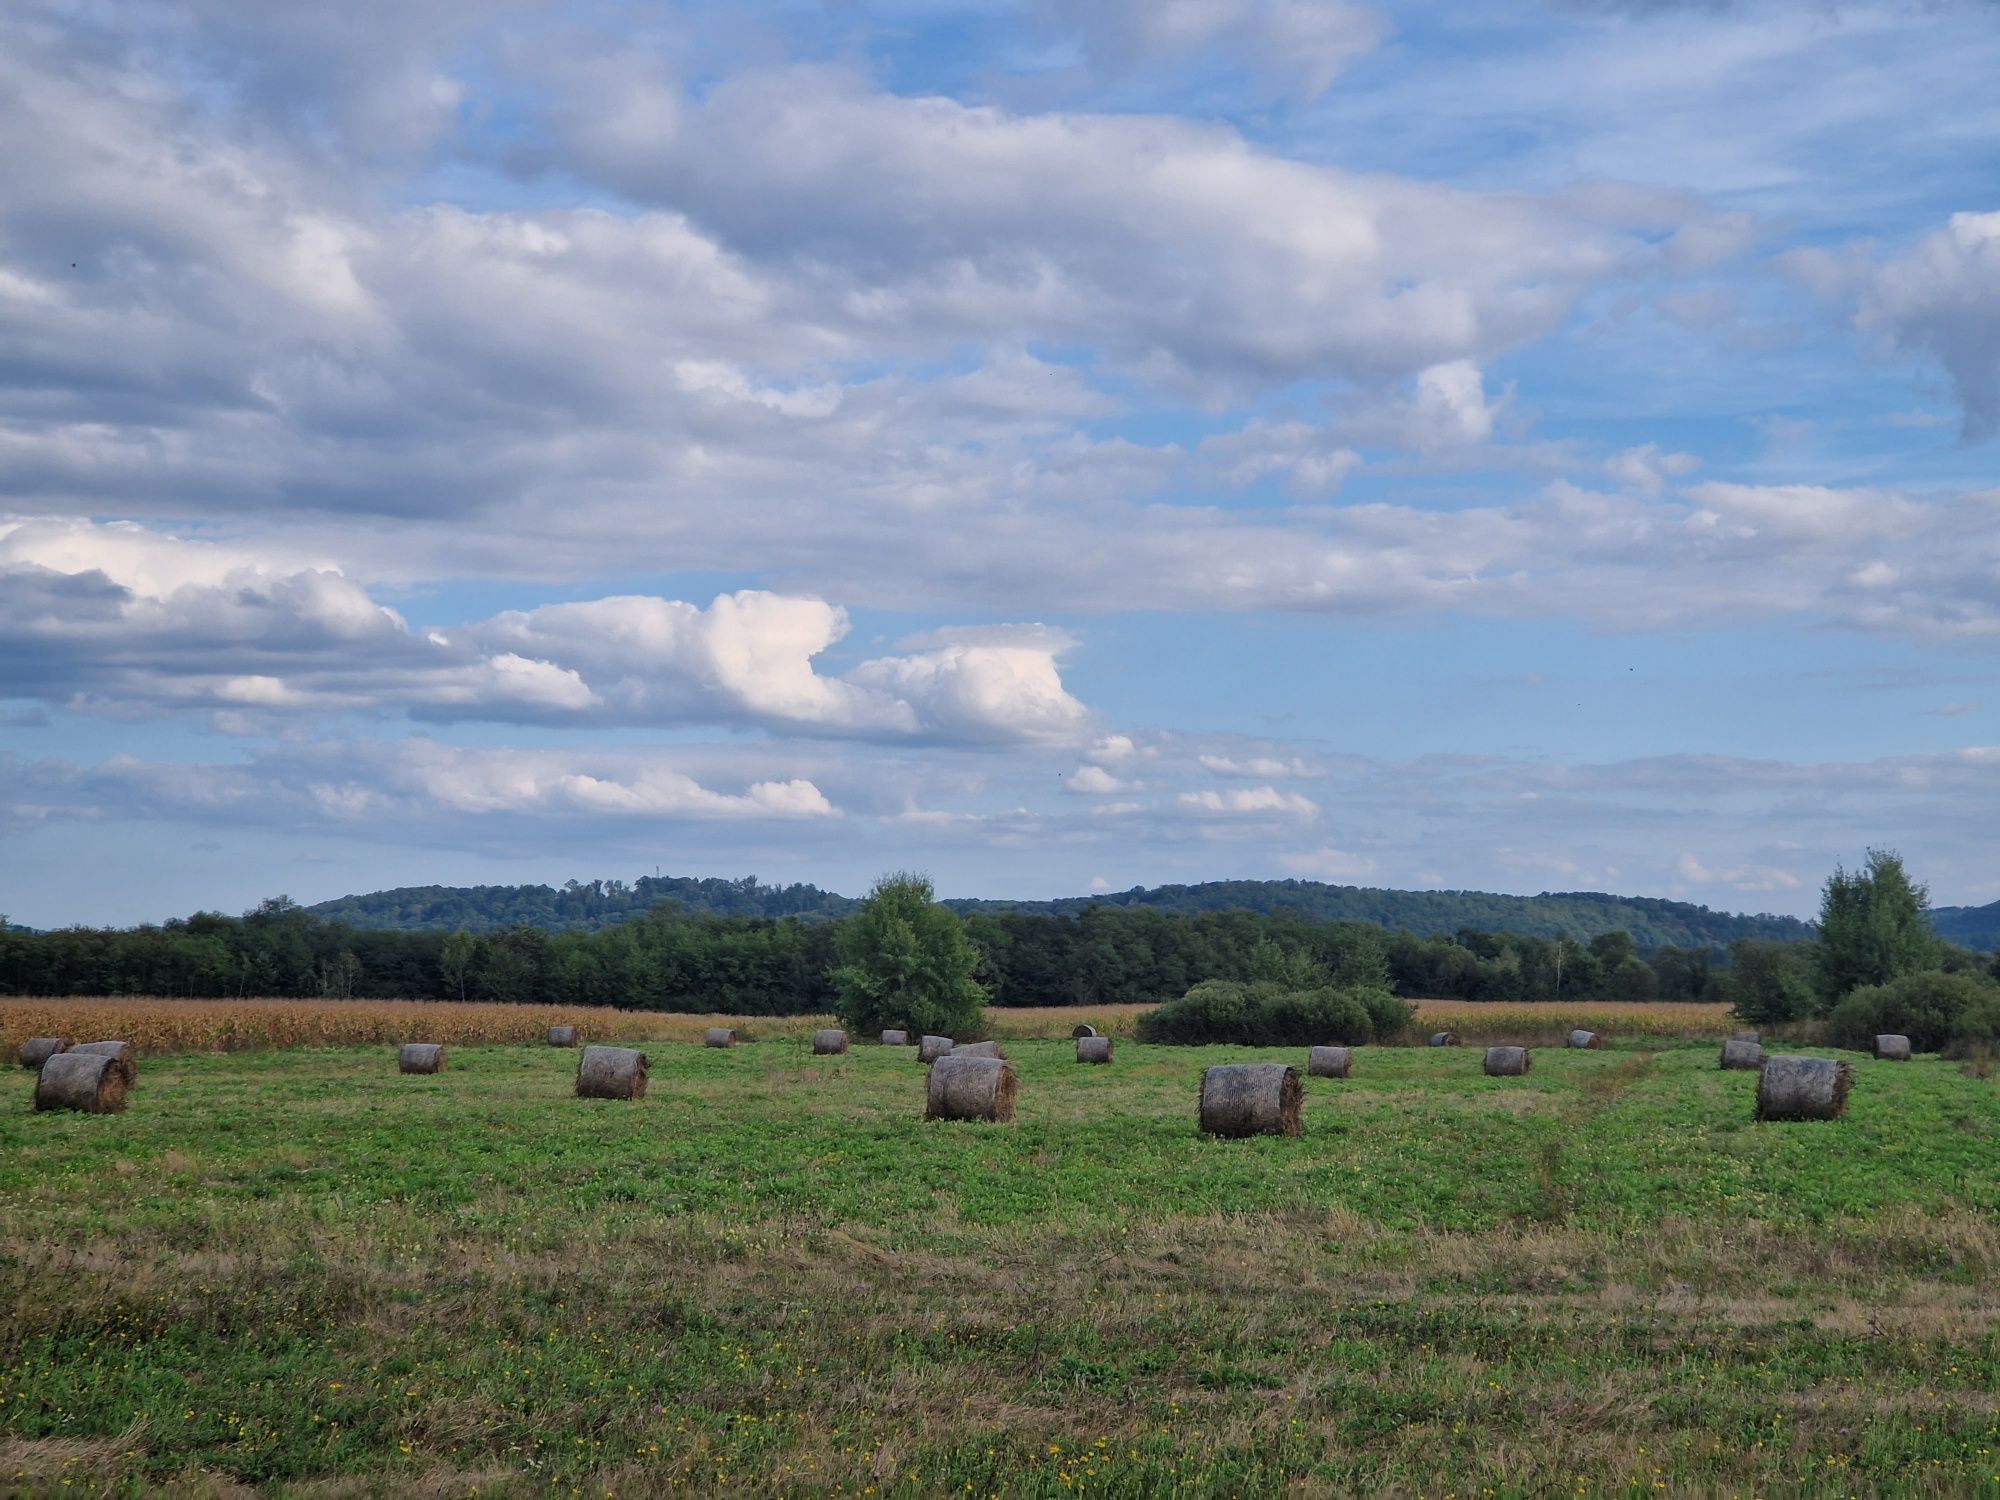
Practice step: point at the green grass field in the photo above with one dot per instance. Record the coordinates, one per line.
(302, 1273)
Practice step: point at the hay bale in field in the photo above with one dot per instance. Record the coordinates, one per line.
(1507, 1062)
(720, 1036)
(611, 1073)
(1737, 1053)
(1746, 1036)
(895, 1039)
(1252, 1099)
(1444, 1039)
(37, 1050)
(421, 1057)
(1093, 1049)
(88, 1081)
(1803, 1088)
(123, 1053)
(1078, 1032)
(971, 1088)
(1892, 1048)
(1330, 1062)
(931, 1048)
(829, 1042)
(1582, 1038)
(562, 1036)
(979, 1049)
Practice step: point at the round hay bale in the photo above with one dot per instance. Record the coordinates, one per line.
(971, 1088)
(1330, 1062)
(1079, 1032)
(895, 1039)
(1892, 1048)
(720, 1036)
(1240, 1099)
(931, 1048)
(830, 1042)
(1746, 1036)
(611, 1073)
(562, 1036)
(1093, 1049)
(1444, 1039)
(88, 1081)
(123, 1053)
(1739, 1054)
(979, 1049)
(1803, 1088)
(37, 1050)
(1507, 1062)
(421, 1057)
(1582, 1038)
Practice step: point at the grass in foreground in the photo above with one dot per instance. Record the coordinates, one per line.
(304, 1273)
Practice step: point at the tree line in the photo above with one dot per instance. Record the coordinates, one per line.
(673, 959)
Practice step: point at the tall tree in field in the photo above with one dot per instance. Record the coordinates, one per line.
(906, 962)
(1874, 924)
(455, 959)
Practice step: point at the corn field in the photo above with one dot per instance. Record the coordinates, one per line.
(157, 1025)
(163, 1025)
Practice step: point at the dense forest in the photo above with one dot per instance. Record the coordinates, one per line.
(1578, 915)
(576, 906)
(586, 906)
(671, 959)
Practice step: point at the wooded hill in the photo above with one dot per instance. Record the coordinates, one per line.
(1969, 926)
(588, 906)
(575, 906)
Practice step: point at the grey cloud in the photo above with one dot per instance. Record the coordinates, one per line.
(1299, 46)
(134, 620)
(1182, 249)
(737, 379)
(405, 790)
(377, 78)
(1873, 560)
(1732, 831)
(1941, 301)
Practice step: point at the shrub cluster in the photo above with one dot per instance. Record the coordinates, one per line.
(1934, 1009)
(1264, 1013)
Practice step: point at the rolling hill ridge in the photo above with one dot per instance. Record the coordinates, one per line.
(588, 905)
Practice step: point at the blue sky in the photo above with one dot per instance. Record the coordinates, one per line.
(1059, 446)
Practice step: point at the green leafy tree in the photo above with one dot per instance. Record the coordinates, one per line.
(1612, 949)
(456, 961)
(1769, 983)
(1874, 925)
(906, 962)
(1288, 969)
(1631, 978)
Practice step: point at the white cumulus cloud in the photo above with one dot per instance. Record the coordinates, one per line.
(1263, 801)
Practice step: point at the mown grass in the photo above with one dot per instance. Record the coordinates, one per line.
(303, 1273)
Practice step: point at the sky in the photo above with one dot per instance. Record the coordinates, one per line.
(1056, 445)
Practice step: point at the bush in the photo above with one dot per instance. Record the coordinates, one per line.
(1267, 1014)
(1391, 1017)
(1928, 1007)
(1977, 1029)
